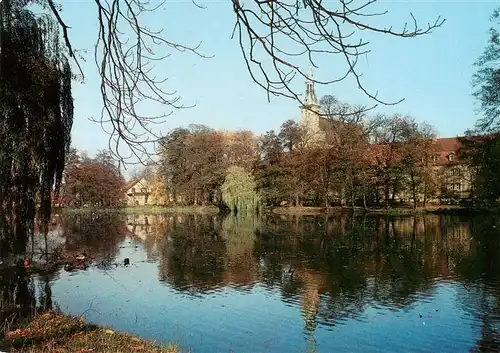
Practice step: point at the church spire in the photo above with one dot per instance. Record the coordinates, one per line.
(310, 93)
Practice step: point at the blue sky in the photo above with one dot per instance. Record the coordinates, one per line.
(432, 72)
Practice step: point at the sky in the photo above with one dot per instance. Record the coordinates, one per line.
(432, 72)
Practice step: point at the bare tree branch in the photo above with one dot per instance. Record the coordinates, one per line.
(274, 37)
(265, 27)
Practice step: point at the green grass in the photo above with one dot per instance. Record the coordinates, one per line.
(54, 332)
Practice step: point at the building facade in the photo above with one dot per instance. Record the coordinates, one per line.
(138, 192)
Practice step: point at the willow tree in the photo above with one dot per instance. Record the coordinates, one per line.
(36, 115)
(239, 191)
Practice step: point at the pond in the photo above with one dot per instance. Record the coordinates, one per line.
(282, 284)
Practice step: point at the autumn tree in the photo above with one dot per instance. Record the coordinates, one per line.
(194, 160)
(388, 140)
(269, 169)
(159, 194)
(241, 148)
(93, 183)
(417, 152)
(348, 131)
(173, 164)
(295, 178)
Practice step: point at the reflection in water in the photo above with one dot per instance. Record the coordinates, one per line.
(386, 278)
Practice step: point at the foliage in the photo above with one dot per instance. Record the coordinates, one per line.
(239, 191)
(483, 152)
(194, 161)
(418, 150)
(94, 183)
(159, 194)
(36, 109)
(362, 161)
(486, 81)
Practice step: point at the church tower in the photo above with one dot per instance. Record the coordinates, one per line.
(310, 112)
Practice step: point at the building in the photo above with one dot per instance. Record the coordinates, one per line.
(449, 167)
(311, 121)
(138, 192)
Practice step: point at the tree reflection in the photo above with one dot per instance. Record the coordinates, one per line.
(333, 267)
(193, 253)
(99, 234)
(18, 295)
(481, 277)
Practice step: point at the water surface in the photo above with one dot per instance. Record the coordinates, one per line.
(277, 284)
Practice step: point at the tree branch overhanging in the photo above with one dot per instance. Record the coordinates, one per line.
(265, 26)
(274, 36)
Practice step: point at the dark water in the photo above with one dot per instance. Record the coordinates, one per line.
(302, 284)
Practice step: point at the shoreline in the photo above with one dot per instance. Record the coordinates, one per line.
(398, 211)
(284, 210)
(53, 331)
(143, 209)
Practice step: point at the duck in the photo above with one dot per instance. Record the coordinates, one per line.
(81, 257)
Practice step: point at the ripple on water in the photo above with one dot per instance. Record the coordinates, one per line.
(345, 286)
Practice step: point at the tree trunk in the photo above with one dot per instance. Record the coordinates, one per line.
(386, 192)
(352, 192)
(424, 201)
(414, 190)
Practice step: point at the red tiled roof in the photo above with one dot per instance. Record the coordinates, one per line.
(445, 146)
(448, 144)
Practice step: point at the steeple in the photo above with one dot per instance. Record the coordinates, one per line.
(310, 112)
(310, 99)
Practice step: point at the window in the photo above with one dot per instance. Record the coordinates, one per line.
(451, 156)
(435, 158)
(454, 171)
(458, 186)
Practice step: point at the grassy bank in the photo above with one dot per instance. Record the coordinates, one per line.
(53, 332)
(145, 209)
(316, 211)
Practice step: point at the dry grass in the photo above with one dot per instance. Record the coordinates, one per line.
(53, 332)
